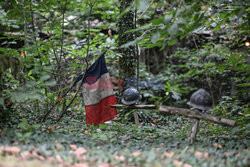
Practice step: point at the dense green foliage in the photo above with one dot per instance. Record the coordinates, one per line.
(183, 46)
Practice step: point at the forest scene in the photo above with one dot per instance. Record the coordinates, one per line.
(130, 83)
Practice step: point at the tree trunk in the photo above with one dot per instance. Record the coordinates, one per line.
(128, 60)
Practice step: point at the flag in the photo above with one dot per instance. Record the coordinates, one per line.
(98, 93)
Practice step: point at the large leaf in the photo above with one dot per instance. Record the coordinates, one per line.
(143, 5)
(155, 37)
(173, 29)
(168, 18)
(157, 21)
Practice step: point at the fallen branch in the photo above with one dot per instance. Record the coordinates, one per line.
(119, 106)
(196, 114)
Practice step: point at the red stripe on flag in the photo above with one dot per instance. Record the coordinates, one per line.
(101, 112)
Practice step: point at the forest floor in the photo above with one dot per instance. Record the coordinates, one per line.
(72, 143)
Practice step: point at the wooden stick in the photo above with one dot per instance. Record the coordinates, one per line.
(194, 130)
(136, 119)
(196, 114)
(119, 106)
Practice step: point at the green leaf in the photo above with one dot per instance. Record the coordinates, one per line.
(216, 28)
(50, 83)
(167, 19)
(27, 134)
(23, 124)
(44, 77)
(35, 126)
(155, 37)
(176, 96)
(154, 45)
(181, 21)
(157, 21)
(103, 137)
(171, 42)
(148, 95)
(243, 85)
(30, 84)
(104, 126)
(19, 135)
(173, 29)
(209, 65)
(143, 5)
(236, 130)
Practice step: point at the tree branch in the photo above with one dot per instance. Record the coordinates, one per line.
(196, 114)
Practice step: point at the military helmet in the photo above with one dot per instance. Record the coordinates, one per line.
(201, 99)
(130, 96)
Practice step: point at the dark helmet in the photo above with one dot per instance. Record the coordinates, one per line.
(201, 99)
(130, 96)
